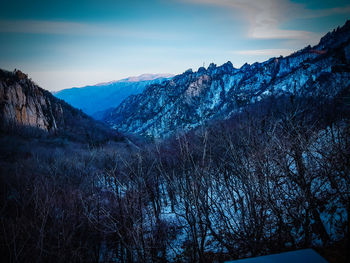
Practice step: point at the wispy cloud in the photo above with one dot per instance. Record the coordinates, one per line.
(79, 29)
(266, 16)
(264, 52)
(55, 27)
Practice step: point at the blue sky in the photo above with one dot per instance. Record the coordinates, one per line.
(63, 44)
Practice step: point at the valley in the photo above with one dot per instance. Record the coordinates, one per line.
(219, 164)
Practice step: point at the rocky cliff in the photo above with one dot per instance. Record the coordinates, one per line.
(217, 92)
(24, 104)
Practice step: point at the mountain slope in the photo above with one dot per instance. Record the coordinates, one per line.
(24, 104)
(193, 98)
(93, 100)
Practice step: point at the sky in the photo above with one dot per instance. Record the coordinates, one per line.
(64, 43)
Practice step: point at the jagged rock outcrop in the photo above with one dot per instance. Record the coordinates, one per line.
(193, 98)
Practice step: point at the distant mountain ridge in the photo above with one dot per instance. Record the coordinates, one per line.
(142, 77)
(217, 92)
(95, 99)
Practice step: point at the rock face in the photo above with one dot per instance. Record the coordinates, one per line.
(217, 92)
(22, 102)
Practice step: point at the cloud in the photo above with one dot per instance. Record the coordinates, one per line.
(80, 29)
(52, 27)
(264, 52)
(265, 17)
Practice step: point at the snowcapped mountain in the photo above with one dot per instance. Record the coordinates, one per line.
(217, 92)
(95, 99)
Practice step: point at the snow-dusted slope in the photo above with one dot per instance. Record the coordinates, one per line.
(95, 99)
(193, 98)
